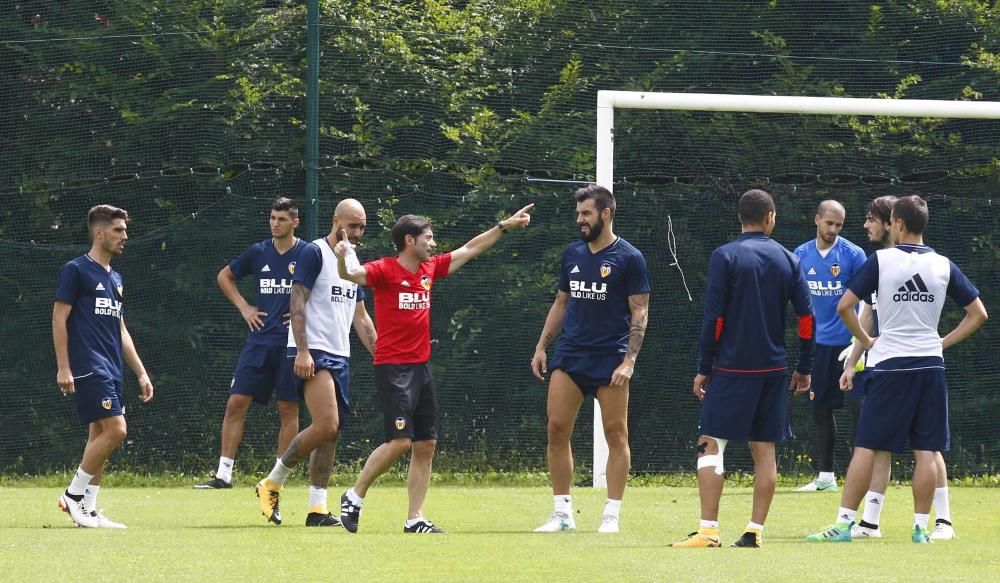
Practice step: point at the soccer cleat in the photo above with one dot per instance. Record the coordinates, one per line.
(700, 539)
(749, 540)
(424, 527)
(269, 503)
(349, 514)
(858, 531)
(835, 533)
(317, 519)
(818, 486)
(104, 521)
(920, 536)
(609, 523)
(942, 531)
(558, 522)
(76, 511)
(215, 483)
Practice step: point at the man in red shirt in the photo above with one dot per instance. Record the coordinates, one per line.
(402, 286)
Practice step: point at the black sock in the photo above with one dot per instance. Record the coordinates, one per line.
(826, 437)
(866, 524)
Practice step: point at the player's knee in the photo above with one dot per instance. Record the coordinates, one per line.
(424, 447)
(710, 452)
(400, 445)
(559, 429)
(288, 411)
(617, 437)
(327, 428)
(237, 406)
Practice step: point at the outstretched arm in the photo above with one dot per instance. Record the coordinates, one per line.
(553, 324)
(348, 265)
(135, 363)
(478, 245)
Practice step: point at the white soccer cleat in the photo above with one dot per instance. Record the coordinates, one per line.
(104, 521)
(77, 513)
(943, 531)
(818, 486)
(858, 531)
(608, 524)
(558, 522)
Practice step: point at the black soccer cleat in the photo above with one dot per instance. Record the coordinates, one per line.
(349, 514)
(749, 540)
(424, 527)
(215, 483)
(317, 519)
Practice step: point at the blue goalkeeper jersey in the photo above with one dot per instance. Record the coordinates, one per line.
(598, 315)
(94, 324)
(272, 273)
(827, 278)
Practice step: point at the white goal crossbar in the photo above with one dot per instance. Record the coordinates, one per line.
(608, 101)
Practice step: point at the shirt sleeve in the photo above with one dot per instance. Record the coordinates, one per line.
(441, 264)
(69, 284)
(361, 294)
(865, 282)
(375, 272)
(713, 324)
(243, 265)
(308, 266)
(637, 276)
(960, 288)
(802, 303)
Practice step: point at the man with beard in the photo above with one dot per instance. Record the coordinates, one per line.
(402, 286)
(323, 308)
(828, 263)
(742, 363)
(601, 307)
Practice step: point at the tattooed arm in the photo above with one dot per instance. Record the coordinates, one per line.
(304, 366)
(553, 324)
(365, 328)
(639, 305)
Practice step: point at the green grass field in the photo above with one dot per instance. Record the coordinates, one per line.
(178, 534)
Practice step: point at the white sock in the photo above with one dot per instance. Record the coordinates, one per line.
(845, 515)
(279, 474)
(612, 508)
(754, 526)
(411, 521)
(225, 471)
(708, 523)
(873, 507)
(942, 508)
(317, 500)
(354, 498)
(921, 520)
(826, 477)
(81, 480)
(564, 504)
(90, 498)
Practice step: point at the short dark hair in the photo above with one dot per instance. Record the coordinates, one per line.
(283, 203)
(754, 206)
(103, 214)
(408, 225)
(602, 197)
(912, 210)
(880, 209)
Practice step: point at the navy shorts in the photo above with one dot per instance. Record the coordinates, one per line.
(860, 382)
(905, 406)
(588, 372)
(746, 409)
(339, 368)
(409, 400)
(260, 372)
(97, 398)
(825, 390)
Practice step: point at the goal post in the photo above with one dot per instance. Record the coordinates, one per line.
(608, 101)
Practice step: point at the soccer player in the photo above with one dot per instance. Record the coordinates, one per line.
(323, 308)
(402, 287)
(602, 307)
(828, 262)
(906, 400)
(91, 340)
(742, 365)
(877, 223)
(272, 263)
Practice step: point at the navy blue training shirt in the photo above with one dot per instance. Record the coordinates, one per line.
(272, 273)
(94, 324)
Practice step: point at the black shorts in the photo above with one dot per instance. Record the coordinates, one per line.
(409, 400)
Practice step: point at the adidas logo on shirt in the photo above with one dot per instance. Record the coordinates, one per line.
(266, 269)
(100, 287)
(811, 271)
(576, 269)
(404, 283)
(914, 290)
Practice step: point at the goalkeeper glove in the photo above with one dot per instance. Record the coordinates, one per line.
(844, 354)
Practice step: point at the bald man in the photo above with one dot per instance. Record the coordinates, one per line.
(318, 362)
(828, 263)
